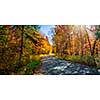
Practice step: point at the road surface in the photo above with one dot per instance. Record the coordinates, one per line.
(55, 66)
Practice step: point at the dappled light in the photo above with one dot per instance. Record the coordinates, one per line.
(49, 49)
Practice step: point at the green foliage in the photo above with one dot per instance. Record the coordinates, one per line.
(28, 36)
(3, 30)
(3, 39)
(20, 47)
(89, 60)
(97, 35)
(98, 60)
(33, 65)
(36, 27)
(29, 68)
(74, 58)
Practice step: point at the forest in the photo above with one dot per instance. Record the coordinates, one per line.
(24, 50)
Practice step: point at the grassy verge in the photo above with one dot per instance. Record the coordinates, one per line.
(29, 64)
(28, 69)
(86, 60)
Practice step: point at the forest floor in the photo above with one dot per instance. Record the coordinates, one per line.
(55, 66)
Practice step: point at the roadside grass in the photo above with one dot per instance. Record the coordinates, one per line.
(86, 60)
(29, 68)
(33, 64)
(76, 59)
(98, 61)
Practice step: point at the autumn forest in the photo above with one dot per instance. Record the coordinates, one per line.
(63, 50)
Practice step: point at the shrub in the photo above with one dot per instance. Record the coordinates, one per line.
(74, 58)
(33, 64)
(29, 68)
(84, 59)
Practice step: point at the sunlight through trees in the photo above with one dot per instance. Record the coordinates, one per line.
(23, 46)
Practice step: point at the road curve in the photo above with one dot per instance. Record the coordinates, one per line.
(54, 66)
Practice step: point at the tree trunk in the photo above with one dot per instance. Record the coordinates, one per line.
(94, 45)
(92, 54)
(21, 47)
(89, 41)
(91, 50)
(81, 42)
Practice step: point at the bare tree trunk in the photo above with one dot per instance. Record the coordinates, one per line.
(88, 41)
(81, 42)
(91, 50)
(21, 47)
(92, 54)
(94, 45)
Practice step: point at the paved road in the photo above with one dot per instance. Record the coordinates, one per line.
(54, 66)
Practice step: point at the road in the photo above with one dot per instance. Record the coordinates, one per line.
(55, 66)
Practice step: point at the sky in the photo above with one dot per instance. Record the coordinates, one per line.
(48, 31)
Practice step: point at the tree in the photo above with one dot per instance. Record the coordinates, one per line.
(17, 44)
(77, 40)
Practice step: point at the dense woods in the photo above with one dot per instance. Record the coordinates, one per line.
(78, 43)
(20, 48)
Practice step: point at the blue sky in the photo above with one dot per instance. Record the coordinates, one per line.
(48, 31)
